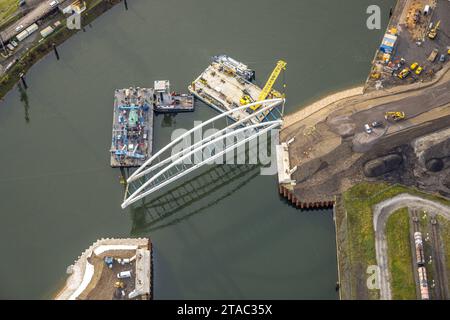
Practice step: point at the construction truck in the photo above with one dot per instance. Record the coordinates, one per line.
(394, 115)
(433, 31)
(404, 73)
(245, 100)
(281, 66)
(375, 75)
(433, 55)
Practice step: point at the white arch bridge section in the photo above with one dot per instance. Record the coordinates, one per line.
(173, 162)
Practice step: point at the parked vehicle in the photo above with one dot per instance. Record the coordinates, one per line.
(15, 44)
(53, 3)
(124, 274)
(368, 129)
(434, 31)
(404, 73)
(377, 124)
(414, 66)
(19, 27)
(442, 58)
(419, 70)
(433, 55)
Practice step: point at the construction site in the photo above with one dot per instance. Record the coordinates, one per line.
(415, 46)
(362, 135)
(372, 150)
(111, 269)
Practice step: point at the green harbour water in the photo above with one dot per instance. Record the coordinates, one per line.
(240, 240)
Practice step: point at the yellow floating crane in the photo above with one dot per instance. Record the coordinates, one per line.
(281, 66)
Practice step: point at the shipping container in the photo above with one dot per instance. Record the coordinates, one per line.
(32, 28)
(388, 43)
(21, 36)
(47, 31)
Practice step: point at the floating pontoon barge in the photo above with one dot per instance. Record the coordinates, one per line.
(225, 82)
(132, 132)
(170, 102)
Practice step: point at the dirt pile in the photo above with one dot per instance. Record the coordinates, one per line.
(382, 165)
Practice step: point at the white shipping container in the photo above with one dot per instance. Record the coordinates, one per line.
(47, 31)
(21, 36)
(32, 28)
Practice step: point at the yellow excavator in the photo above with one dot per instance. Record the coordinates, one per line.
(281, 66)
(433, 32)
(395, 115)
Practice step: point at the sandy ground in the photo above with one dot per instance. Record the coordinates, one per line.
(320, 104)
(325, 131)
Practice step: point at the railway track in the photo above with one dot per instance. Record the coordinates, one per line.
(441, 285)
(433, 249)
(415, 228)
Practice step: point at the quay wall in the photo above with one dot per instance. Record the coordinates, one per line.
(298, 203)
(77, 270)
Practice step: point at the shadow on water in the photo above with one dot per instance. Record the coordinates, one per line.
(168, 120)
(177, 204)
(24, 100)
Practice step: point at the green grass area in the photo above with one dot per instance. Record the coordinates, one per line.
(7, 9)
(399, 256)
(360, 238)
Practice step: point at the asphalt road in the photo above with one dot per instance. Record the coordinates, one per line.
(41, 10)
(381, 213)
(412, 106)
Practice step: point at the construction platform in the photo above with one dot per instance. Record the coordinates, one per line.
(165, 101)
(132, 132)
(224, 85)
(111, 269)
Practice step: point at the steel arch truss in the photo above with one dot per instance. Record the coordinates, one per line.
(166, 166)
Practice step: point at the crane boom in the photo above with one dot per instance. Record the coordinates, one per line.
(433, 32)
(281, 65)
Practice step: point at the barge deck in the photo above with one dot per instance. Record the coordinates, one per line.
(223, 85)
(166, 101)
(132, 132)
